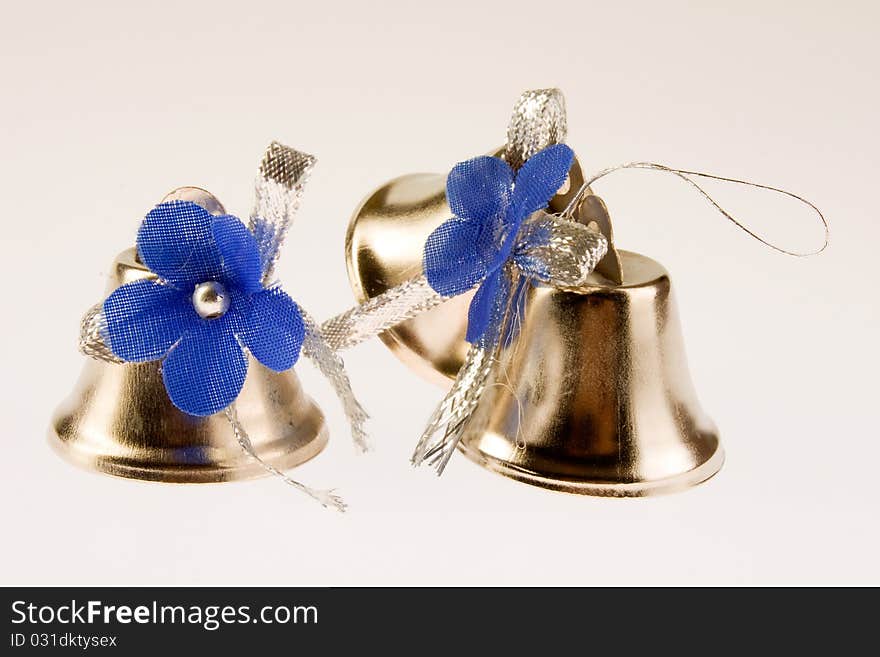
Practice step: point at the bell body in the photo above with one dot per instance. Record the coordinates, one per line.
(384, 248)
(594, 396)
(119, 420)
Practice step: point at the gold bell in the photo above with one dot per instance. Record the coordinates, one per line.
(594, 396)
(120, 421)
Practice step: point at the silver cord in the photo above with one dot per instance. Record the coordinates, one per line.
(327, 498)
(683, 175)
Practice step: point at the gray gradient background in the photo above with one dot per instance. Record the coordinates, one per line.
(107, 106)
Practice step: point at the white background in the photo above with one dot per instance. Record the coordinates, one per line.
(107, 106)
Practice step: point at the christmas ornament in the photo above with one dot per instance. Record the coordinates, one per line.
(566, 354)
(196, 341)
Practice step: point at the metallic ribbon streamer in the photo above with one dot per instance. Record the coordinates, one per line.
(538, 121)
(454, 410)
(326, 497)
(278, 189)
(327, 360)
(380, 313)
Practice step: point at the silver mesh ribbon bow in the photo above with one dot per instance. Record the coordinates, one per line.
(283, 174)
(558, 251)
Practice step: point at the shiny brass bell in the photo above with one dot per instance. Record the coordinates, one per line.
(119, 420)
(594, 396)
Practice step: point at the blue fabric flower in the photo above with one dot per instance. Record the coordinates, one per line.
(207, 305)
(490, 203)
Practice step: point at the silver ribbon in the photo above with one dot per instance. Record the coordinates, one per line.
(538, 121)
(278, 190)
(327, 498)
(327, 360)
(557, 251)
(396, 305)
(454, 411)
(91, 338)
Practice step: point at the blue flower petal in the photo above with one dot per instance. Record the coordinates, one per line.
(143, 319)
(456, 255)
(487, 307)
(539, 179)
(270, 325)
(239, 255)
(175, 242)
(204, 373)
(480, 188)
(507, 239)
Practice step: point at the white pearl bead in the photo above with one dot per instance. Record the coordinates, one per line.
(210, 300)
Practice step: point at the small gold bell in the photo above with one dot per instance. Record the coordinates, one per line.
(120, 421)
(593, 397)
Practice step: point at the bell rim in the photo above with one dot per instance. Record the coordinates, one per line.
(87, 436)
(648, 488)
(210, 473)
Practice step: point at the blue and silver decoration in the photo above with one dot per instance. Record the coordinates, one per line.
(213, 299)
